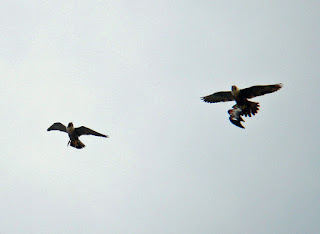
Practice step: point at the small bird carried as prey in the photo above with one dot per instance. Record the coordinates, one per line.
(235, 116)
(241, 96)
(75, 133)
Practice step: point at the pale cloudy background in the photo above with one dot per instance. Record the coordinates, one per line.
(136, 70)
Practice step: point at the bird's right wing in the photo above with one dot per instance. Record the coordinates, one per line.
(87, 131)
(58, 126)
(223, 96)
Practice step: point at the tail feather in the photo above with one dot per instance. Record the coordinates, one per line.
(250, 108)
(77, 144)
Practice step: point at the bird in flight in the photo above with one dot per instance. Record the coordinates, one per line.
(75, 133)
(241, 96)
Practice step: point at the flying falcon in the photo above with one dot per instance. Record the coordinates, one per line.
(241, 96)
(75, 133)
(235, 116)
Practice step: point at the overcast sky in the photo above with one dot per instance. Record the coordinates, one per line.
(136, 70)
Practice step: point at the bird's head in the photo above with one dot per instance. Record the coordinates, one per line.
(233, 88)
(235, 91)
(70, 125)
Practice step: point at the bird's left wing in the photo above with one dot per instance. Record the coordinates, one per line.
(222, 96)
(259, 90)
(87, 131)
(236, 122)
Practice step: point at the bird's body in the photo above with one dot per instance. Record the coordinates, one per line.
(241, 96)
(74, 138)
(75, 133)
(235, 116)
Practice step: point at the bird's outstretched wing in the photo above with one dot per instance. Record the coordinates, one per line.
(236, 122)
(87, 131)
(259, 90)
(58, 126)
(223, 96)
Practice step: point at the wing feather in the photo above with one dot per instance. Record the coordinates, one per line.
(259, 90)
(58, 126)
(87, 131)
(223, 96)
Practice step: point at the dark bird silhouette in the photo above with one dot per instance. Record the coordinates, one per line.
(75, 133)
(235, 116)
(241, 96)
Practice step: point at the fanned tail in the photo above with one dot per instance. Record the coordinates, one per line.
(77, 144)
(250, 108)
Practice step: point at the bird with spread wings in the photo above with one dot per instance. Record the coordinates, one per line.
(75, 133)
(241, 96)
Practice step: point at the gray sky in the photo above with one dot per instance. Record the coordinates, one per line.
(136, 70)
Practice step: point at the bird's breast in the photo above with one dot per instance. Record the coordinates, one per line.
(70, 130)
(235, 93)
